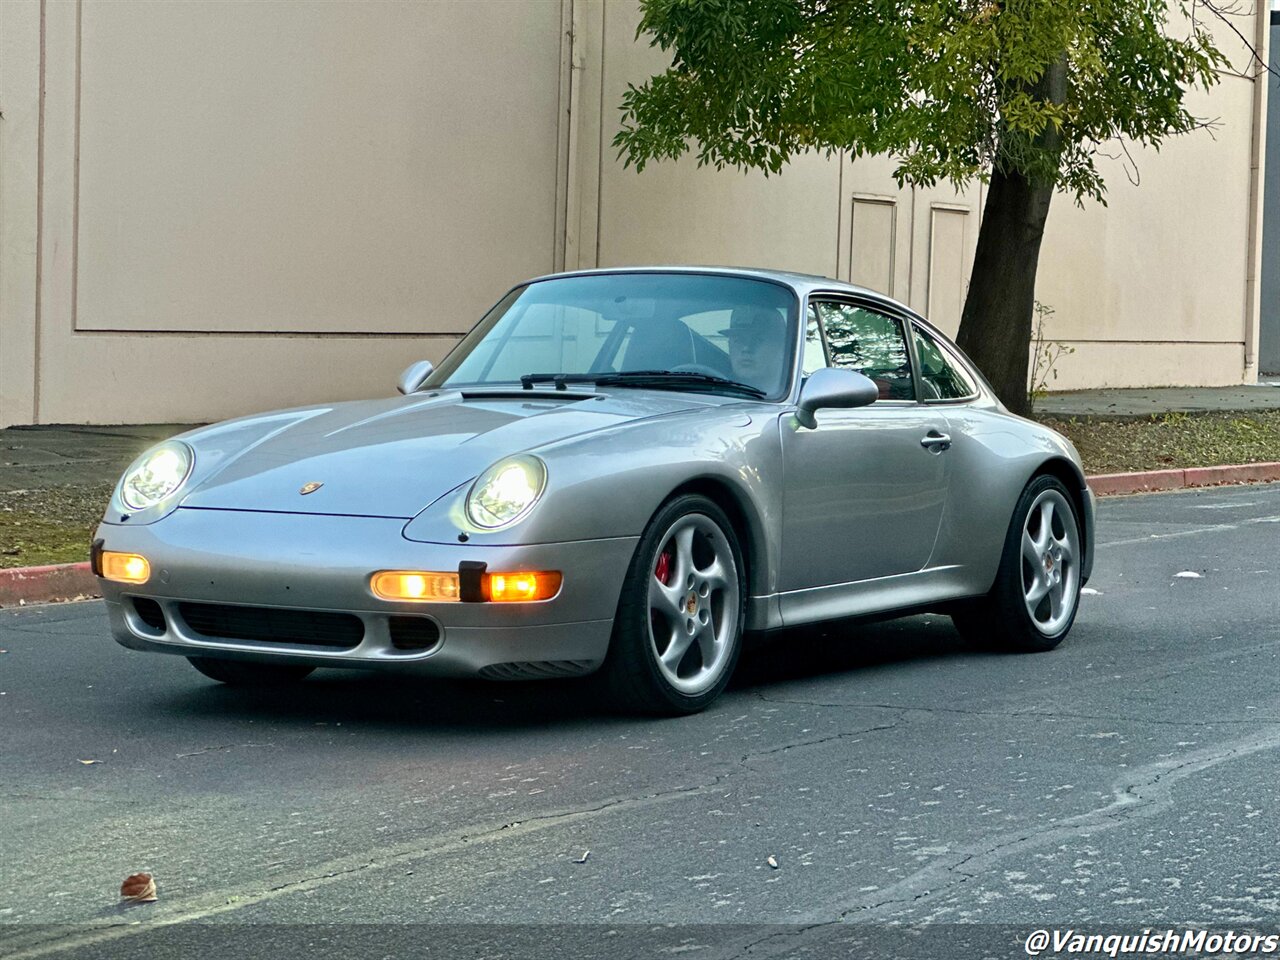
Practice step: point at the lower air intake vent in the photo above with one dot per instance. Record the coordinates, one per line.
(271, 625)
(413, 633)
(536, 670)
(149, 612)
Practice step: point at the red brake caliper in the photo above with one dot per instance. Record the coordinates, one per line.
(663, 569)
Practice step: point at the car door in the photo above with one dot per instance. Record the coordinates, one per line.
(865, 490)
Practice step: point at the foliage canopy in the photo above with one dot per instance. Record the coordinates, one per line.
(952, 89)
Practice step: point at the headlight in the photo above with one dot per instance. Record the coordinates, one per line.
(157, 475)
(506, 491)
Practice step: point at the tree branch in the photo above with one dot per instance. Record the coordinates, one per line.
(1222, 15)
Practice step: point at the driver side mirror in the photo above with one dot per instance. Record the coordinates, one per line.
(832, 387)
(414, 377)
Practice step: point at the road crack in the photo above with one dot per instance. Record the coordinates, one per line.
(1141, 793)
(746, 759)
(225, 746)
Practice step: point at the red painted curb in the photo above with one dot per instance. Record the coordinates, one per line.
(1111, 484)
(63, 581)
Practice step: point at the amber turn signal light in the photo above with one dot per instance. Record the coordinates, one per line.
(125, 567)
(420, 585)
(514, 587)
(425, 586)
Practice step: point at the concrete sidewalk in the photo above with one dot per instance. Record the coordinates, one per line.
(36, 458)
(1156, 400)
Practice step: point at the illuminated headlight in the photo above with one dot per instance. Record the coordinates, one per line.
(506, 491)
(157, 475)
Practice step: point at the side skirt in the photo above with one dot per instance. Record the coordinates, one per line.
(884, 595)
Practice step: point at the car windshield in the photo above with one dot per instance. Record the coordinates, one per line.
(670, 330)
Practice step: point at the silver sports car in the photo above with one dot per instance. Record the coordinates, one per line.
(617, 473)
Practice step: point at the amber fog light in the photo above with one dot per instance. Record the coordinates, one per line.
(523, 586)
(125, 567)
(422, 586)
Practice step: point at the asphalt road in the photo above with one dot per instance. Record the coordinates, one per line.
(1125, 780)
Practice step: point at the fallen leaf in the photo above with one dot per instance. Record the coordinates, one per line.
(772, 861)
(1189, 575)
(138, 888)
(87, 762)
(583, 858)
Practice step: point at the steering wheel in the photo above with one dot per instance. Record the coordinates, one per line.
(697, 368)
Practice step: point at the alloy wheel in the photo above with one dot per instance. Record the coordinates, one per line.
(1050, 569)
(693, 604)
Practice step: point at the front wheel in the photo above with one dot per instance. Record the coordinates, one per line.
(1033, 602)
(246, 673)
(678, 631)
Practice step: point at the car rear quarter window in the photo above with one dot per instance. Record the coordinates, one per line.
(941, 378)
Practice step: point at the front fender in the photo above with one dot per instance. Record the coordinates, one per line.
(610, 484)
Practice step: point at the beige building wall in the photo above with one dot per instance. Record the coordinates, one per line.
(220, 207)
(1161, 285)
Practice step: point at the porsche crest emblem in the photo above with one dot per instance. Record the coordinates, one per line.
(311, 487)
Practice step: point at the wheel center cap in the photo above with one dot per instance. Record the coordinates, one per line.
(691, 605)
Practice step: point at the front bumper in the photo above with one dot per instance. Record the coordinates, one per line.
(303, 562)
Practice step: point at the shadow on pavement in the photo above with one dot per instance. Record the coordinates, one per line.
(406, 701)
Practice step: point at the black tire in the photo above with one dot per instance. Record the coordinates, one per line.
(1003, 620)
(247, 673)
(633, 678)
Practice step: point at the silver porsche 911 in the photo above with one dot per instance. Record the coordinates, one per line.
(617, 473)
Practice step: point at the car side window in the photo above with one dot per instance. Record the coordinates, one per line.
(940, 377)
(815, 354)
(870, 343)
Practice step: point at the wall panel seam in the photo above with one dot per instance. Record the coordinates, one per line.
(39, 298)
(75, 186)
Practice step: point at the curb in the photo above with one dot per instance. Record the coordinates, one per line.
(64, 581)
(1150, 481)
(20, 586)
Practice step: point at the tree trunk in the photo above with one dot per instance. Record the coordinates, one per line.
(995, 327)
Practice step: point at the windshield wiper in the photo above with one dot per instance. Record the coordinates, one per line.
(659, 377)
(641, 378)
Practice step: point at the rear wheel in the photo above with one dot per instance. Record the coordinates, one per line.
(1033, 602)
(678, 631)
(246, 673)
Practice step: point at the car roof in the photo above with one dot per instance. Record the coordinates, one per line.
(802, 283)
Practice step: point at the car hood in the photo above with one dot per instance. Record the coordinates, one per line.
(391, 458)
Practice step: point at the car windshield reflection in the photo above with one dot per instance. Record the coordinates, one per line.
(674, 331)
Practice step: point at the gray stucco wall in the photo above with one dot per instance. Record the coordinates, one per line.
(1269, 337)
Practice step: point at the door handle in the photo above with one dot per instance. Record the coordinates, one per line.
(935, 442)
